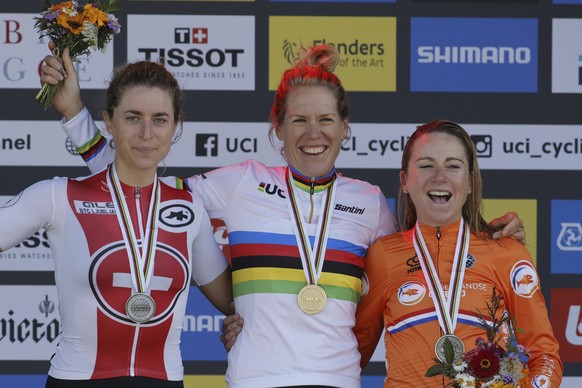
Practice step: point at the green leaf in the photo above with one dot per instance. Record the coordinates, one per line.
(434, 370)
(449, 351)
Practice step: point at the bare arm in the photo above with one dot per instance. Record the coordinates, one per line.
(219, 292)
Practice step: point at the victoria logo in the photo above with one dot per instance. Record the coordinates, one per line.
(46, 306)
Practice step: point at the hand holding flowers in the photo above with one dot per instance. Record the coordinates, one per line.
(488, 365)
(80, 27)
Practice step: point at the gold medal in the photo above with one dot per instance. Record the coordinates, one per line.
(312, 299)
(458, 347)
(140, 307)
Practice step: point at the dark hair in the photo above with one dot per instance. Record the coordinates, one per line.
(472, 209)
(314, 66)
(143, 73)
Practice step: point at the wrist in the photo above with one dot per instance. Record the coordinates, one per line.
(72, 111)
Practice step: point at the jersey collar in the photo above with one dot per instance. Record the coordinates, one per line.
(312, 184)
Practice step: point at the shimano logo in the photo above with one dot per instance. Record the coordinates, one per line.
(349, 209)
(474, 54)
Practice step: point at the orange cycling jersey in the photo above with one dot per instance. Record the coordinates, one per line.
(398, 301)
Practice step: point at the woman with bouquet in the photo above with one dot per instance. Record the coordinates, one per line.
(432, 286)
(125, 246)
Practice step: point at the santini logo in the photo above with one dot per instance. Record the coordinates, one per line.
(349, 209)
(474, 54)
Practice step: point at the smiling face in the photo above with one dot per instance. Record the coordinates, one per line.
(437, 178)
(142, 127)
(312, 130)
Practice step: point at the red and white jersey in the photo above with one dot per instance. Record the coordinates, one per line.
(398, 302)
(93, 273)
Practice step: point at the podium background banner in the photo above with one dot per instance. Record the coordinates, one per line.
(509, 71)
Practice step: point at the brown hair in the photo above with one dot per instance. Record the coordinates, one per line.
(472, 209)
(143, 73)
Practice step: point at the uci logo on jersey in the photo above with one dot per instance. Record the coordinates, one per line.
(176, 215)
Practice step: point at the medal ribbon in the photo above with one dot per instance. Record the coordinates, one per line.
(141, 262)
(447, 309)
(311, 258)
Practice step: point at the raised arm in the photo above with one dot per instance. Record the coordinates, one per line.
(77, 122)
(67, 100)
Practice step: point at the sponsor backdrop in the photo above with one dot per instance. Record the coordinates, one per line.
(510, 71)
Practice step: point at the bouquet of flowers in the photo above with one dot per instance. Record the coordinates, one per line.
(80, 27)
(488, 365)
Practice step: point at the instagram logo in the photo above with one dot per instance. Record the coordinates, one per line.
(483, 145)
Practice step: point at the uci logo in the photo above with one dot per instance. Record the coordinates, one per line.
(271, 189)
(176, 215)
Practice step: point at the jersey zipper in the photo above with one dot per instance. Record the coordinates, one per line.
(137, 197)
(438, 252)
(311, 192)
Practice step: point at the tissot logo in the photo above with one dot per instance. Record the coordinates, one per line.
(203, 52)
(194, 35)
(206, 144)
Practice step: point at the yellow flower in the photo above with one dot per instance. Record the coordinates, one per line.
(501, 384)
(95, 15)
(73, 23)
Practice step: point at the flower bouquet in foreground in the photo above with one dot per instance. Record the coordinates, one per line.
(488, 365)
(80, 27)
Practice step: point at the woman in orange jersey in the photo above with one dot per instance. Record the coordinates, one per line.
(429, 282)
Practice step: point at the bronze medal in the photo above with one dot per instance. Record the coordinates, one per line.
(140, 307)
(458, 346)
(312, 299)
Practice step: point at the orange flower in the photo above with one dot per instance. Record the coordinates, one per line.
(73, 23)
(95, 15)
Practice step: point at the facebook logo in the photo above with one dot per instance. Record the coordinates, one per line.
(207, 144)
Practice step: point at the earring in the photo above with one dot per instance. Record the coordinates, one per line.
(405, 191)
